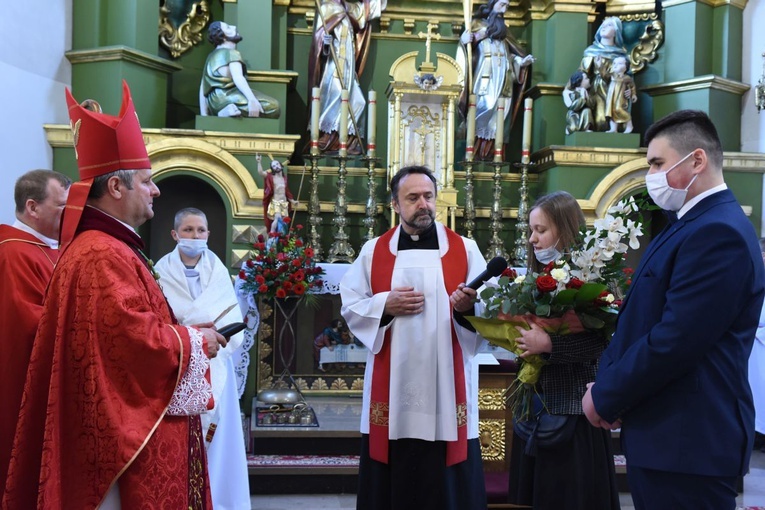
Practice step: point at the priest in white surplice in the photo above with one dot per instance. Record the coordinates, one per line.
(199, 289)
(404, 298)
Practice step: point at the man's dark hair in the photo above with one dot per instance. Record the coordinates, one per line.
(215, 34)
(686, 131)
(34, 185)
(407, 170)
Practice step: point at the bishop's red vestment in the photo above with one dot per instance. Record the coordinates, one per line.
(106, 362)
(26, 265)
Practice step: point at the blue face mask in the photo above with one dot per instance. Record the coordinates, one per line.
(192, 247)
(547, 255)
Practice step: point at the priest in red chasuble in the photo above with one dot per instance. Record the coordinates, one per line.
(28, 253)
(110, 415)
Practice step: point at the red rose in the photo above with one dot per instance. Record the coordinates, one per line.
(546, 283)
(286, 219)
(287, 285)
(242, 275)
(574, 283)
(298, 276)
(309, 252)
(280, 293)
(549, 267)
(299, 289)
(250, 263)
(299, 226)
(628, 271)
(318, 283)
(261, 239)
(600, 302)
(298, 242)
(260, 280)
(297, 262)
(510, 273)
(281, 257)
(263, 289)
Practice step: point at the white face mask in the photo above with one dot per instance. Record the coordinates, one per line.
(665, 196)
(192, 247)
(547, 255)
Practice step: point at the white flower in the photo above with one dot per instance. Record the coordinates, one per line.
(560, 275)
(608, 298)
(635, 231)
(519, 279)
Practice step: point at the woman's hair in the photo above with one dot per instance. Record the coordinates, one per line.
(563, 211)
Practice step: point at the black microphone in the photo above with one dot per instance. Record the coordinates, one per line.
(232, 329)
(493, 268)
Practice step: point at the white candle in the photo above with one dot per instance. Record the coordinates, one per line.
(344, 123)
(526, 146)
(315, 106)
(470, 142)
(371, 124)
(499, 138)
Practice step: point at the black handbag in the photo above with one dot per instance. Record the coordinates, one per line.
(544, 430)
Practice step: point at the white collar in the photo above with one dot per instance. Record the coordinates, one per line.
(52, 243)
(698, 198)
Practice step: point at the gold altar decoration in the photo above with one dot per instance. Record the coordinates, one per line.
(645, 50)
(181, 23)
(422, 102)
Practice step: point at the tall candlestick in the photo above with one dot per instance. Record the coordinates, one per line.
(469, 143)
(315, 106)
(371, 124)
(526, 146)
(344, 123)
(499, 138)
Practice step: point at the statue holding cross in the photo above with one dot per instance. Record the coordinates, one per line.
(500, 69)
(338, 52)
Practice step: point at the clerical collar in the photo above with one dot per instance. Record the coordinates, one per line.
(427, 240)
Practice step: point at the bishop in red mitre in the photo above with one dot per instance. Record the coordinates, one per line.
(110, 415)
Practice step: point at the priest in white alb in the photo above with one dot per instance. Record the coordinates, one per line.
(405, 299)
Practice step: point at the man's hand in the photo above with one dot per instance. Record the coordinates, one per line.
(214, 341)
(463, 299)
(588, 406)
(404, 301)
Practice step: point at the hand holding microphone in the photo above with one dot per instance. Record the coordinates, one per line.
(465, 296)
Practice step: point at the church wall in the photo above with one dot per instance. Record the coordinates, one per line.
(33, 37)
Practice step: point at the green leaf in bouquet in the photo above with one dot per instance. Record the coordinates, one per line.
(565, 297)
(590, 322)
(589, 292)
(542, 310)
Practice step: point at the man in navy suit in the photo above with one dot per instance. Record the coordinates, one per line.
(674, 376)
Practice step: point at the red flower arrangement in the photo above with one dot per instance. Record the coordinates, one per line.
(282, 266)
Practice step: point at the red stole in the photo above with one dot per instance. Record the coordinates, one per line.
(455, 269)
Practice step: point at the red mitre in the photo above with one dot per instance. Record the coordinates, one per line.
(102, 144)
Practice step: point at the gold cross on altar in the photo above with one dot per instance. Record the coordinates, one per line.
(428, 36)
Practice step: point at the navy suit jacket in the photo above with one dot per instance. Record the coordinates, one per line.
(675, 371)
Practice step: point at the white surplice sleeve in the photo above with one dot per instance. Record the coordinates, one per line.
(361, 309)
